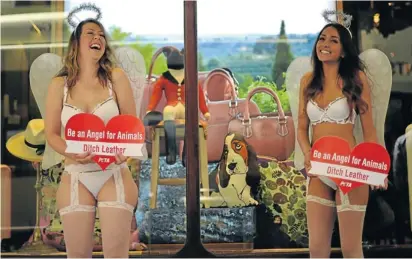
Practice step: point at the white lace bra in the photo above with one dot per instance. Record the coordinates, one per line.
(337, 111)
(106, 110)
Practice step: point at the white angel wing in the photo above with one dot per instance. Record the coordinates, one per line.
(132, 62)
(42, 70)
(295, 72)
(379, 72)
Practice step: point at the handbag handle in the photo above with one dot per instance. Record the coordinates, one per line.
(216, 72)
(262, 89)
(233, 103)
(247, 123)
(155, 56)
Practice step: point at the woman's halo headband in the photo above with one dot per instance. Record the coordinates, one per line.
(341, 18)
(83, 7)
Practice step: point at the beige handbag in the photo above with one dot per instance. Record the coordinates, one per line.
(222, 111)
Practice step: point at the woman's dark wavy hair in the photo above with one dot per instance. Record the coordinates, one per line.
(71, 67)
(349, 68)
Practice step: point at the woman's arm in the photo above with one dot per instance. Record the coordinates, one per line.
(52, 122)
(368, 128)
(303, 120)
(124, 93)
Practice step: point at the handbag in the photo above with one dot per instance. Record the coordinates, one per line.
(270, 134)
(222, 111)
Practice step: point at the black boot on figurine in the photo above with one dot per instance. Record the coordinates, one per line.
(170, 135)
(184, 154)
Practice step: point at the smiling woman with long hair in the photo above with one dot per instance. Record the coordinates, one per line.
(331, 97)
(88, 83)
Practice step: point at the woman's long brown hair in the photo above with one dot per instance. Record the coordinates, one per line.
(349, 68)
(71, 67)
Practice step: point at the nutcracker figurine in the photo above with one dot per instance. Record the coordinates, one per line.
(172, 84)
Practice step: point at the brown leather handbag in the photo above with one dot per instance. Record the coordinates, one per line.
(222, 111)
(270, 134)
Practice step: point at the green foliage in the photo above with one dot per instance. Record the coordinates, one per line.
(201, 63)
(213, 63)
(264, 101)
(147, 50)
(265, 46)
(283, 57)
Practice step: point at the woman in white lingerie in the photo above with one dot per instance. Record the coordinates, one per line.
(330, 99)
(88, 83)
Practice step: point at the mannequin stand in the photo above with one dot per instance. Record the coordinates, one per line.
(36, 246)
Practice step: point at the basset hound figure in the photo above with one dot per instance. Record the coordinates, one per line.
(235, 181)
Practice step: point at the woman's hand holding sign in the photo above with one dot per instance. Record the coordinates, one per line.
(381, 187)
(120, 159)
(85, 158)
(308, 165)
(122, 137)
(350, 168)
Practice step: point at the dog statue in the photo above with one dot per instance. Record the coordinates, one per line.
(235, 181)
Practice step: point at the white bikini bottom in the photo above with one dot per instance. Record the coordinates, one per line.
(93, 178)
(345, 202)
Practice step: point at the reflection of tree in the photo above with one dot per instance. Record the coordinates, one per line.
(264, 46)
(213, 63)
(283, 57)
(147, 50)
(264, 101)
(200, 62)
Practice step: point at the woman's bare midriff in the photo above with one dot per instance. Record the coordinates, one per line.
(69, 161)
(344, 131)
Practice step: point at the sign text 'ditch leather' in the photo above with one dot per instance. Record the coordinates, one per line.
(123, 134)
(367, 163)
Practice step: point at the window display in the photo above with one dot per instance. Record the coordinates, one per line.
(253, 170)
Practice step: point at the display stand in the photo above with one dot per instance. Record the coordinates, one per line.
(37, 246)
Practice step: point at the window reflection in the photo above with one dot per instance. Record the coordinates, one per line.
(242, 45)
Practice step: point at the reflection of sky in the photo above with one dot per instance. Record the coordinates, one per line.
(215, 17)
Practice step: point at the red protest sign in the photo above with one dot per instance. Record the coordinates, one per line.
(367, 163)
(123, 134)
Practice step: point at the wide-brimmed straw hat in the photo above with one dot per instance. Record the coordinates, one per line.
(29, 145)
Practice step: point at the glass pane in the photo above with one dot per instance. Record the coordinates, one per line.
(386, 26)
(260, 200)
(42, 28)
(254, 52)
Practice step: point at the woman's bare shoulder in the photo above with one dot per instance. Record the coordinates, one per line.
(306, 78)
(118, 73)
(57, 84)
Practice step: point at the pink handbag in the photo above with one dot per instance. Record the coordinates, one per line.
(222, 111)
(270, 134)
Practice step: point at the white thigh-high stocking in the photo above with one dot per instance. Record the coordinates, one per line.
(77, 212)
(117, 201)
(78, 230)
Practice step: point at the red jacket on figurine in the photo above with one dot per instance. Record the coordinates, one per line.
(172, 84)
(174, 93)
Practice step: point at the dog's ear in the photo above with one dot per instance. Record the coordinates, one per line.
(253, 173)
(166, 51)
(223, 175)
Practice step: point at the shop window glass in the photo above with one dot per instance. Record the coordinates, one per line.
(242, 45)
(256, 43)
(387, 26)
